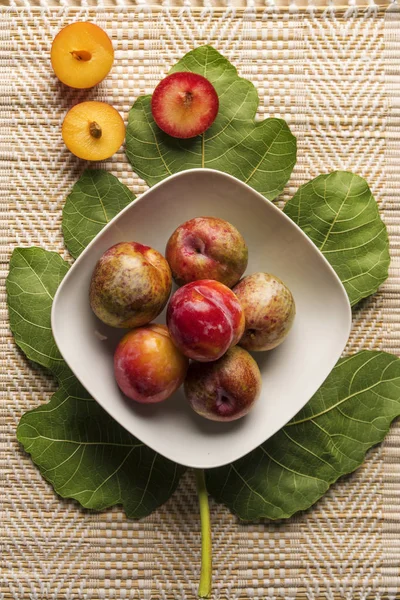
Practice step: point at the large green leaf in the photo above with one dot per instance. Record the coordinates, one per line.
(78, 447)
(96, 198)
(86, 455)
(339, 213)
(33, 279)
(262, 154)
(329, 437)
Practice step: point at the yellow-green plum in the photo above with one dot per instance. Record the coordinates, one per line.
(269, 310)
(147, 366)
(207, 248)
(226, 389)
(204, 319)
(130, 285)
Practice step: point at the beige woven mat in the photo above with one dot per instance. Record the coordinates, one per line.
(334, 75)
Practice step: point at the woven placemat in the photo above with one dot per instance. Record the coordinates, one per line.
(333, 74)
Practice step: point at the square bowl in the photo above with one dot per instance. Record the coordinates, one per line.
(291, 373)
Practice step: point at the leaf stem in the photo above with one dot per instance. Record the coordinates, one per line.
(204, 590)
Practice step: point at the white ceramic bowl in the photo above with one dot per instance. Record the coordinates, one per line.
(291, 373)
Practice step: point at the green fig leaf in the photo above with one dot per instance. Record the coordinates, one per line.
(339, 213)
(77, 446)
(88, 456)
(32, 282)
(328, 438)
(96, 198)
(261, 153)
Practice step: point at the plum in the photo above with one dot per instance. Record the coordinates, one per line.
(226, 389)
(269, 310)
(130, 285)
(205, 319)
(207, 248)
(147, 366)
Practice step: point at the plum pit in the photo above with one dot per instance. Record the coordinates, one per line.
(83, 55)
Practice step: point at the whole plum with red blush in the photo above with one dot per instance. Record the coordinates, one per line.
(226, 389)
(147, 366)
(204, 319)
(207, 248)
(130, 285)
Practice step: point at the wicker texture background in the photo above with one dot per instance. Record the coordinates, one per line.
(334, 75)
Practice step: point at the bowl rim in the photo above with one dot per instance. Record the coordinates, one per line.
(141, 199)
